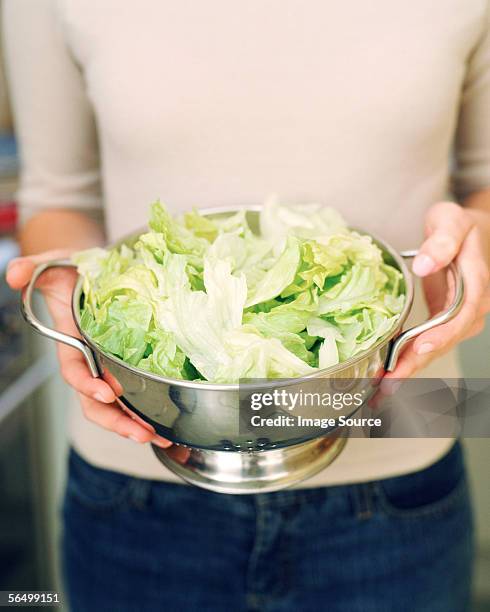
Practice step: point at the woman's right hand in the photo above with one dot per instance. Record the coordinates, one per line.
(97, 398)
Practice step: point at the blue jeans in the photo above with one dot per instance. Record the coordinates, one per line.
(395, 545)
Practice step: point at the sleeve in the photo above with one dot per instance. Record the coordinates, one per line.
(53, 117)
(472, 142)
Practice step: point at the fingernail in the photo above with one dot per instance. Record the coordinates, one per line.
(99, 397)
(427, 347)
(423, 265)
(134, 439)
(161, 443)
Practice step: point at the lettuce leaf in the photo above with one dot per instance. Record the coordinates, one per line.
(199, 319)
(253, 356)
(207, 298)
(278, 221)
(278, 276)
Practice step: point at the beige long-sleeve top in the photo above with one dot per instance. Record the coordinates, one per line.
(355, 104)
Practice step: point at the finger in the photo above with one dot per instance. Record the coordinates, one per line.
(158, 440)
(20, 269)
(447, 226)
(476, 329)
(435, 289)
(113, 383)
(484, 306)
(74, 368)
(409, 362)
(112, 418)
(447, 335)
(180, 454)
(475, 274)
(19, 272)
(375, 403)
(76, 373)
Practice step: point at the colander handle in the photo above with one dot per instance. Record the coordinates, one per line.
(443, 317)
(30, 317)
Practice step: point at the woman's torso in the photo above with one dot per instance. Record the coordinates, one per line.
(219, 103)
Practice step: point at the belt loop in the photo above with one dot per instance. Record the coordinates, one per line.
(363, 501)
(140, 492)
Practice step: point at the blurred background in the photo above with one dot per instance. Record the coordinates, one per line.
(33, 442)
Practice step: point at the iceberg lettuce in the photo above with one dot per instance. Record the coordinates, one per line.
(207, 298)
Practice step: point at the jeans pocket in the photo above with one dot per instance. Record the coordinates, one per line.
(95, 488)
(430, 492)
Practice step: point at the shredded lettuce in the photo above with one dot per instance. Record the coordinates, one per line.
(207, 298)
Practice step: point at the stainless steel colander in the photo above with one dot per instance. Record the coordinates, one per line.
(211, 447)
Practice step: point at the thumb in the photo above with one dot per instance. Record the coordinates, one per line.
(20, 269)
(447, 226)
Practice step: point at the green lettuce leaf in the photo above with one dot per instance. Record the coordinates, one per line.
(179, 239)
(165, 358)
(328, 354)
(253, 356)
(278, 276)
(199, 319)
(278, 221)
(207, 298)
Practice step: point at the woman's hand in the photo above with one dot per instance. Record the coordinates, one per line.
(452, 233)
(97, 398)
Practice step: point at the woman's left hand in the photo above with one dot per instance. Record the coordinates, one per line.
(452, 233)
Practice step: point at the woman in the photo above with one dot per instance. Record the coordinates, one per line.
(219, 103)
